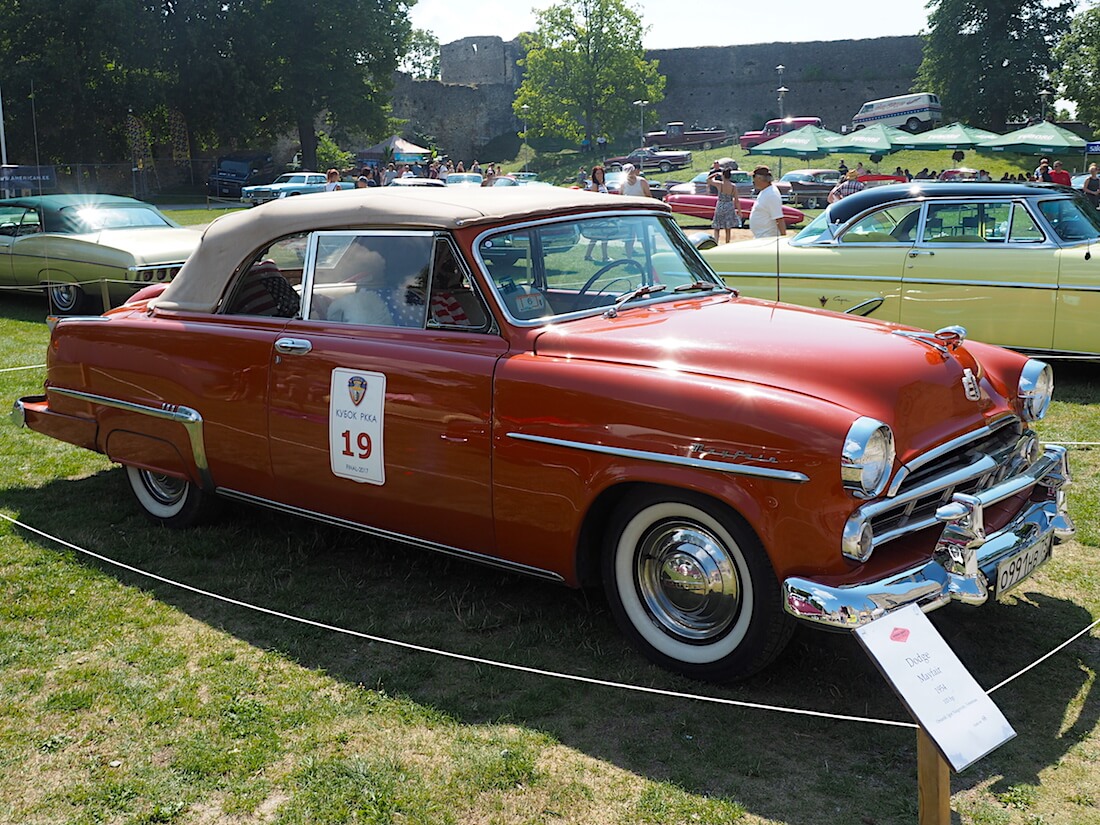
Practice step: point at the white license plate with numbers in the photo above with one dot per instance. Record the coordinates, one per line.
(1015, 569)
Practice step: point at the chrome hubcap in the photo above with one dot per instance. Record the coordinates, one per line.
(167, 490)
(64, 297)
(688, 582)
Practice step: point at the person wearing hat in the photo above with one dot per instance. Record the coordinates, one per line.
(766, 218)
(849, 186)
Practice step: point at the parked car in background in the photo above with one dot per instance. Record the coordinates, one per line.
(88, 251)
(913, 112)
(648, 158)
(463, 179)
(1014, 264)
(702, 206)
(414, 181)
(676, 134)
(448, 369)
(233, 172)
(809, 187)
(614, 183)
(288, 185)
(775, 128)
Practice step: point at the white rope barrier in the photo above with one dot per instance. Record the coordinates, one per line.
(29, 367)
(570, 677)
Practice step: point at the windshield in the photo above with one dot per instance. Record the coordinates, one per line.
(817, 228)
(541, 273)
(95, 218)
(1072, 219)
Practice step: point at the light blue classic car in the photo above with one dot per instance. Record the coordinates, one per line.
(288, 185)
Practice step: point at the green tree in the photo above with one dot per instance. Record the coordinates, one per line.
(988, 59)
(1078, 74)
(334, 59)
(421, 59)
(583, 69)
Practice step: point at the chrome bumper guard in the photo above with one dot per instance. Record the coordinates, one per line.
(18, 413)
(964, 562)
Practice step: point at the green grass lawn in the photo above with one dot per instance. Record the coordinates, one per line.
(126, 699)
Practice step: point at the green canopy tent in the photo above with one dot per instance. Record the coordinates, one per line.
(874, 140)
(953, 136)
(1040, 139)
(807, 142)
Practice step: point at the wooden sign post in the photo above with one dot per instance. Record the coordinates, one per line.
(957, 722)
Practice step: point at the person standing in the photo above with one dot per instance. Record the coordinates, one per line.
(1059, 175)
(1091, 187)
(596, 183)
(849, 186)
(727, 210)
(766, 218)
(332, 180)
(637, 186)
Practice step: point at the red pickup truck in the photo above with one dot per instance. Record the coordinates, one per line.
(676, 135)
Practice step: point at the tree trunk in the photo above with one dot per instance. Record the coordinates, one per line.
(308, 138)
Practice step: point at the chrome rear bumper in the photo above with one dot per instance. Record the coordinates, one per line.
(964, 563)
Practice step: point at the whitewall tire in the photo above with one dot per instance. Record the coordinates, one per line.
(167, 500)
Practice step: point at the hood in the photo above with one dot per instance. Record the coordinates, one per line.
(148, 245)
(855, 363)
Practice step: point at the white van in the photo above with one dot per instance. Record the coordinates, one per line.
(913, 112)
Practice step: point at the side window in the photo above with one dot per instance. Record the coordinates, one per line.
(980, 222)
(372, 279)
(895, 224)
(453, 301)
(1024, 228)
(271, 284)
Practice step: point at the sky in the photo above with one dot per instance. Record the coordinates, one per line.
(673, 26)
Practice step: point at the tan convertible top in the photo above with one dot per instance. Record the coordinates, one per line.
(233, 237)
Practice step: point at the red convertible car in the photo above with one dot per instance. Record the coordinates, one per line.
(457, 370)
(702, 206)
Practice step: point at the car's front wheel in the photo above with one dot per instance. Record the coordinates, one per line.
(170, 501)
(690, 584)
(665, 166)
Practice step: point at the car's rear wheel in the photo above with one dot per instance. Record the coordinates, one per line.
(912, 125)
(170, 501)
(67, 299)
(665, 166)
(690, 584)
(707, 145)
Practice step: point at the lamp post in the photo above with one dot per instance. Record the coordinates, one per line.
(641, 104)
(1043, 95)
(526, 147)
(781, 91)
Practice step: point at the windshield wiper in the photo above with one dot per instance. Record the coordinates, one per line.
(640, 292)
(700, 286)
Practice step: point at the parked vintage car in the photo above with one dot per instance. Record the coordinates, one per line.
(463, 179)
(448, 369)
(287, 186)
(648, 158)
(676, 134)
(740, 178)
(88, 251)
(702, 206)
(775, 128)
(809, 187)
(234, 171)
(1013, 263)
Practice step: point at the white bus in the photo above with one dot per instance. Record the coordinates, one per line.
(913, 112)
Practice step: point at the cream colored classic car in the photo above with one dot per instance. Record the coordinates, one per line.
(88, 251)
(1015, 264)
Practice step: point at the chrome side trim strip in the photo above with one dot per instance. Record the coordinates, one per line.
(188, 417)
(457, 552)
(663, 458)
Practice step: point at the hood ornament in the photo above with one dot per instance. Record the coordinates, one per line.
(944, 341)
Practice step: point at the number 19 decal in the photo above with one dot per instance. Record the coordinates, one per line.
(356, 403)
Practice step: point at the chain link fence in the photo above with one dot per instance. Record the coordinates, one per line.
(140, 180)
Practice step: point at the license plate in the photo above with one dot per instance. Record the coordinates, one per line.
(1014, 570)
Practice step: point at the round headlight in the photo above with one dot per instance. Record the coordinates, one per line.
(1035, 390)
(867, 458)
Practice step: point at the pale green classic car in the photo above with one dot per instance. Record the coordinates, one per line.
(88, 251)
(1014, 264)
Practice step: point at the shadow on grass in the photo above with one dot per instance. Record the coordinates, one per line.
(800, 770)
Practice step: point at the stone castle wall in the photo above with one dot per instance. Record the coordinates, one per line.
(734, 87)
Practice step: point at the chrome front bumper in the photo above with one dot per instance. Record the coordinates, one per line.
(965, 559)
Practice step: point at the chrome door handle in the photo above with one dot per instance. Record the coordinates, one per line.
(915, 252)
(293, 346)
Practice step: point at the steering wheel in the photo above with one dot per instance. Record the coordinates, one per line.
(604, 269)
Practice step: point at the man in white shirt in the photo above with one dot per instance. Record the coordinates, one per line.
(766, 218)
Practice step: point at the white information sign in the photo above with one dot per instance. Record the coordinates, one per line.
(937, 688)
(356, 403)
